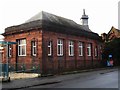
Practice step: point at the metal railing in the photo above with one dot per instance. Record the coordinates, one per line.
(19, 70)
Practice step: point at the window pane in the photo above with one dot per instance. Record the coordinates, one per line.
(71, 48)
(24, 41)
(58, 41)
(62, 50)
(19, 50)
(21, 47)
(60, 47)
(34, 50)
(80, 49)
(49, 48)
(23, 50)
(89, 50)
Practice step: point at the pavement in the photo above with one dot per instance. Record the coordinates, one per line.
(25, 83)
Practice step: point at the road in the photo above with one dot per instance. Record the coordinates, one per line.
(94, 79)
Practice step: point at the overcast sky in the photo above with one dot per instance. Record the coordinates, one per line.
(103, 14)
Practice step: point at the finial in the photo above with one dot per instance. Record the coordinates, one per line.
(83, 11)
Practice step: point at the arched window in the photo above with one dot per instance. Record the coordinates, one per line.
(80, 46)
(34, 47)
(71, 48)
(49, 48)
(89, 49)
(22, 47)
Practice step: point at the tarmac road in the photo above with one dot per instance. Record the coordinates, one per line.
(94, 79)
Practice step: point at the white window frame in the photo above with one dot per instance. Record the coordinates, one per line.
(71, 46)
(60, 46)
(9, 51)
(33, 48)
(21, 45)
(50, 46)
(89, 49)
(80, 46)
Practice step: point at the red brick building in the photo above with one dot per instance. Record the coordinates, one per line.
(54, 43)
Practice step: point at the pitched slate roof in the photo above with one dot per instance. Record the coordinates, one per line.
(57, 19)
(53, 23)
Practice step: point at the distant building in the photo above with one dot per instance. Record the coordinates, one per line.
(54, 43)
(104, 37)
(112, 34)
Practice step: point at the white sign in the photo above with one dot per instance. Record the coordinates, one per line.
(110, 56)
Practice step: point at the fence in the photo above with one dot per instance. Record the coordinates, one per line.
(25, 70)
(19, 71)
(24, 67)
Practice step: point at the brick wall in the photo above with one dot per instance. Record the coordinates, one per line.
(28, 59)
(56, 63)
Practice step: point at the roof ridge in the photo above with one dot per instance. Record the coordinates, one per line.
(46, 13)
(37, 16)
(57, 15)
